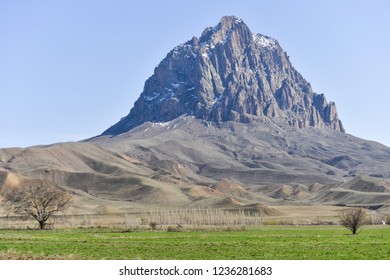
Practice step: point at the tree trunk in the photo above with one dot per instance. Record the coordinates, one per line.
(42, 224)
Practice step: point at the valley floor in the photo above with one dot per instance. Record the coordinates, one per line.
(212, 243)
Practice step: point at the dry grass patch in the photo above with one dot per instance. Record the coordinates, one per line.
(14, 255)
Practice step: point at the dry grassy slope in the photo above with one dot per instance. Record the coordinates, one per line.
(9, 179)
(251, 157)
(192, 163)
(102, 179)
(253, 153)
(3, 176)
(285, 164)
(362, 191)
(234, 189)
(69, 157)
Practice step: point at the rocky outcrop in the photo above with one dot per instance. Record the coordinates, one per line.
(229, 74)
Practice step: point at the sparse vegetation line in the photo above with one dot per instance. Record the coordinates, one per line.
(184, 217)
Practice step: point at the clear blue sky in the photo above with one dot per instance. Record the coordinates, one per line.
(70, 69)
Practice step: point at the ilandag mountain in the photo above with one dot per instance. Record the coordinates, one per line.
(224, 121)
(229, 74)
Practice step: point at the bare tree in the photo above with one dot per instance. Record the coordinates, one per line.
(353, 219)
(39, 199)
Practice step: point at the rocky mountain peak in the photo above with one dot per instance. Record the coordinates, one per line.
(230, 74)
(227, 27)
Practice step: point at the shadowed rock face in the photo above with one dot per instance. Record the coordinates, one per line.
(230, 74)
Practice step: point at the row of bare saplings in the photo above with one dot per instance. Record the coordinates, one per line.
(175, 217)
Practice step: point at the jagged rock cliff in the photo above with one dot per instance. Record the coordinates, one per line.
(230, 74)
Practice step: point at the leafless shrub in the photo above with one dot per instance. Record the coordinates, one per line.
(286, 222)
(173, 229)
(353, 219)
(153, 225)
(388, 220)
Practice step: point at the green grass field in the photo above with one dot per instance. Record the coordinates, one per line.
(268, 242)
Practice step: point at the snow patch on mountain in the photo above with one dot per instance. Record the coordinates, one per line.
(264, 41)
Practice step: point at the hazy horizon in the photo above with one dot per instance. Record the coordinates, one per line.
(71, 69)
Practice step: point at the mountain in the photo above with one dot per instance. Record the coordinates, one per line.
(225, 121)
(229, 74)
